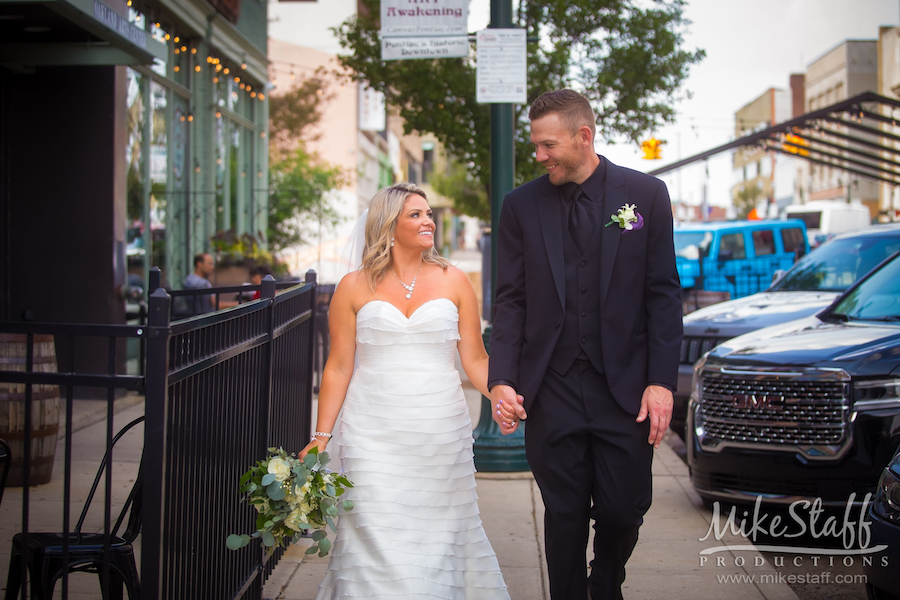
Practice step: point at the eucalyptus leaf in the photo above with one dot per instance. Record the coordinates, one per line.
(319, 535)
(330, 523)
(329, 489)
(268, 539)
(312, 549)
(310, 459)
(324, 546)
(348, 504)
(235, 542)
(268, 478)
(324, 459)
(331, 511)
(275, 491)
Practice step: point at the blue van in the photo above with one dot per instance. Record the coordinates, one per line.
(740, 257)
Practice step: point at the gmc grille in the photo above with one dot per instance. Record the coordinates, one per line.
(693, 347)
(766, 410)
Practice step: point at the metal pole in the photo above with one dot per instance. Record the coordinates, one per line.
(495, 452)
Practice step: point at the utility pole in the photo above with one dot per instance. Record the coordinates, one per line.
(495, 452)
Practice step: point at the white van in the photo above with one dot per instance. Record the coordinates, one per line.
(825, 218)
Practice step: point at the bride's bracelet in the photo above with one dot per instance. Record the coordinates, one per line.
(320, 434)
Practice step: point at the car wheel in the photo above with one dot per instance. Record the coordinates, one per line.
(874, 593)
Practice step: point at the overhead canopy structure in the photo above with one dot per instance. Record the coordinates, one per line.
(860, 135)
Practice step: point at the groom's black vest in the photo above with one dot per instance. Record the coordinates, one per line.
(580, 336)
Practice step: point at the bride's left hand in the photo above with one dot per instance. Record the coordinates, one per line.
(316, 442)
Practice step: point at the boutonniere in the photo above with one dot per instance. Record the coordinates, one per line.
(627, 218)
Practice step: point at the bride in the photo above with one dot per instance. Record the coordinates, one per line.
(406, 436)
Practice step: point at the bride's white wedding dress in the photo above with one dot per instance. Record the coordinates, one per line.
(406, 443)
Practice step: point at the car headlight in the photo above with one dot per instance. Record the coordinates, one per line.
(697, 381)
(876, 394)
(887, 498)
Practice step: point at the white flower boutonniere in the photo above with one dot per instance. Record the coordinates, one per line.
(627, 218)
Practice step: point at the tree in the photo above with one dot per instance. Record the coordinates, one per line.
(625, 56)
(745, 199)
(299, 181)
(468, 196)
(298, 199)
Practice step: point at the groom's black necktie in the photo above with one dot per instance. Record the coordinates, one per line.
(581, 225)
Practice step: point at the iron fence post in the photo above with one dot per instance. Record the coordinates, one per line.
(156, 408)
(267, 291)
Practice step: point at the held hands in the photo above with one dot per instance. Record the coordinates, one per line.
(508, 408)
(657, 403)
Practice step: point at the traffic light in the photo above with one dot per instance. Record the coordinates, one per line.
(795, 145)
(651, 148)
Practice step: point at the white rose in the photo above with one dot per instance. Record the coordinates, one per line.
(280, 468)
(295, 517)
(627, 214)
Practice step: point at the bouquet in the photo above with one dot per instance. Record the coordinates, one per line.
(292, 496)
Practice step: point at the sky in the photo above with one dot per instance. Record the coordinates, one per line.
(750, 47)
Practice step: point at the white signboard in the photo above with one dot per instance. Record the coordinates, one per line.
(424, 47)
(424, 17)
(502, 75)
(372, 115)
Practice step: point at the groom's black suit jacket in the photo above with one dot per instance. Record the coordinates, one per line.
(640, 294)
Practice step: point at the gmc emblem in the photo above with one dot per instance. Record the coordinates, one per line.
(758, 402)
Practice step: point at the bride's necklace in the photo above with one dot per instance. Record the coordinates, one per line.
(409, 288)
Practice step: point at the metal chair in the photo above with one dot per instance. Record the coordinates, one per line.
(6, 457)
(87, 552)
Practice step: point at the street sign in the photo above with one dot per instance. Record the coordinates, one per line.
(400, 48)
(424, 17)
(501, 75)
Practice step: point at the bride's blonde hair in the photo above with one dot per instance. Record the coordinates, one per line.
(381, 223)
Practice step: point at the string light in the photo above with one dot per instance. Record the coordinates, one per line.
(237, 79)
(177, 68)
(193, 51)
(176, 39)
(244, 66)
(218, 115)
(292, 75)
(197, 68)
(262, 97)
(242, 86)
(190, 116)
(262, 134)
(184, 48)
(128, 3)
(225, 70)
(253, 94)
(215, 80)
(167, 37)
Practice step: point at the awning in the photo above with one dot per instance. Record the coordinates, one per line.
(71, 32)
(859, 135)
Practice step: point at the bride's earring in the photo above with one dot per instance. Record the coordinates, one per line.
(392, 242)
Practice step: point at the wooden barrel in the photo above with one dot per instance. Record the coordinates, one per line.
(44, 408)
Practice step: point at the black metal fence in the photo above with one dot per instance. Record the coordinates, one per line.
(220, 388)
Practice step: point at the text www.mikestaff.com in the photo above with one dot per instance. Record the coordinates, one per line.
(823, 577)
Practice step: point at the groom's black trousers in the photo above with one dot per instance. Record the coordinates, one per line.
(591, 460)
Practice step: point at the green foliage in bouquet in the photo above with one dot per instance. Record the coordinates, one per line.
(292, 496)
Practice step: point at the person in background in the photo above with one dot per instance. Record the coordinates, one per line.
(198, 280)
(257, 274)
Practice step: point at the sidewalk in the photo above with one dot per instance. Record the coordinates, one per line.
(665, 563)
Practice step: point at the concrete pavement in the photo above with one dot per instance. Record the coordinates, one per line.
(665, 564)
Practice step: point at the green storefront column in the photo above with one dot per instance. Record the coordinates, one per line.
(495, 452)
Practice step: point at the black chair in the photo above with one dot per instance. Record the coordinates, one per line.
(6, 457)
(46, 561)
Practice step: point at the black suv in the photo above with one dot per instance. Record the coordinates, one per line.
(813, 283)
(805, 409)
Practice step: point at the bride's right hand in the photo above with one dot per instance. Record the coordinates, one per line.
(316, 442)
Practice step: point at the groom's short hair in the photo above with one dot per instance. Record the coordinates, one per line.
(572, 107)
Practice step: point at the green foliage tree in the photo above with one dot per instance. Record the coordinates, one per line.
(746, 198)
(626, 56)
(299, 181)
(468, 196)
(298, 199)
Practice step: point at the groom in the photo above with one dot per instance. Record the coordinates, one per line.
(587, 327)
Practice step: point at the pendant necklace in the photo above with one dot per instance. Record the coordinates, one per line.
(409, 288)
